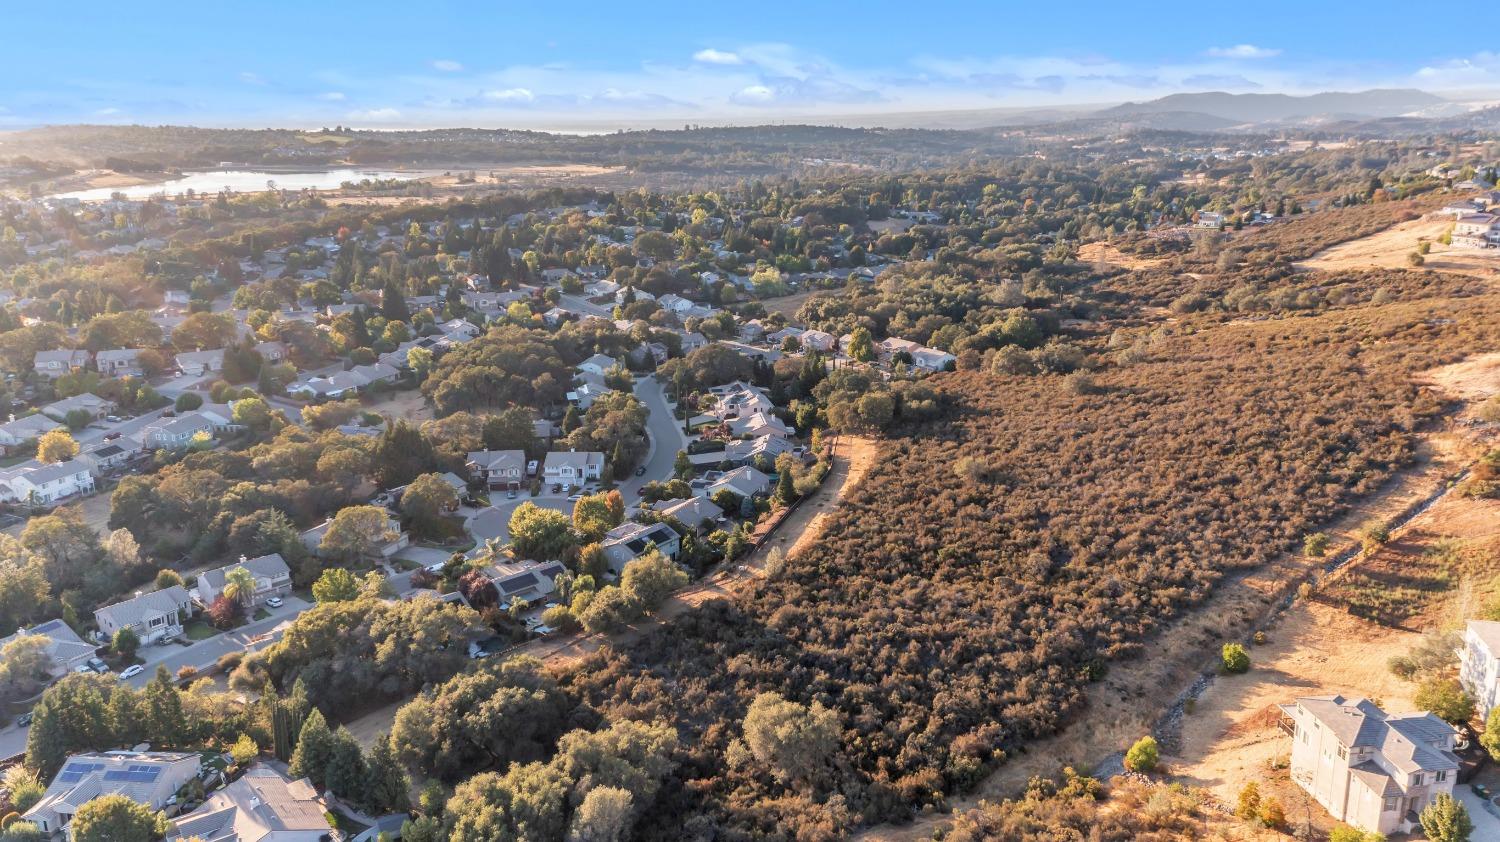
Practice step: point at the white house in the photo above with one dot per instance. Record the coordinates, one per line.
(272, 578)
(54, 364)
(154, 616)
(148, 778)
(199, 363)
(120, 362)
(597, 364)
(631, 540)
(177, 433)
(1477, 230)
(40, 483)
(1479, 665)
(573, 468)
(1370, 769)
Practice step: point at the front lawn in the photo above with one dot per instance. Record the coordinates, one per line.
(198, 630)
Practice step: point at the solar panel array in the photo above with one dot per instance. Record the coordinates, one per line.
(75, 772)
(136, 774)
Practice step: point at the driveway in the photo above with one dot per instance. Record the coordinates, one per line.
(494, 521)
(204, 653)
(1486, 823)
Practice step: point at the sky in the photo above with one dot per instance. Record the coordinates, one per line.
(585, 65)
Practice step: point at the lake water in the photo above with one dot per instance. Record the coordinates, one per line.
(243, 181)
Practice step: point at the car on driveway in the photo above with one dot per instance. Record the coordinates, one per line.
(275, 602)
(132, 671)
(511, 495)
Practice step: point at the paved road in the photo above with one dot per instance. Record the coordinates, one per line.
(579, 304)
(94, 433)
(666, 434)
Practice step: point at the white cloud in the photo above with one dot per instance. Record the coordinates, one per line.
(332, 96)
(107, 112)
(251, 78)
(713, 56)
(1242, 51)
(447, 65)
(375, 114)
(509, 95)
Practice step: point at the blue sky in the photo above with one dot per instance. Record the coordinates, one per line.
(594, 65)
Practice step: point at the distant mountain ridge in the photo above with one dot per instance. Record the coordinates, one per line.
(1265, 108)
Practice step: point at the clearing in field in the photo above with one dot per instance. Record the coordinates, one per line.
(1102, 252)
(1391, 249)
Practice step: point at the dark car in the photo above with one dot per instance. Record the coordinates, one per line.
(23, 720)
(641, 471)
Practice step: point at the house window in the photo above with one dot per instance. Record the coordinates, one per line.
(1416, 780)
(1343, 753)
(1390, 805)
(1439, 777)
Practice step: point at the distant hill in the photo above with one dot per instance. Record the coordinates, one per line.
(1272, 108)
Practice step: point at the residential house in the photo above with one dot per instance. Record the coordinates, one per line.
(102, 457)
(120, 362)
(461, 328)
(68, 651)
(272, 578)
(573, 468)
(377, 373)
(1479, 665)
(598, 364)
(29, 428)
(743, 481)
(590, 388)
(393, 538)
(528, 581)
(39, 483)
(153, 616)
(674, 303)
(150, 778)
(199, 363)
(753, 331)
(1461, 208)
(271, 351)
(498, 468)
(96, 407)
(263, 805)
(1209, 219)
(919, 356)
(601, 289)
(54, 364)
(631, 540)
(1477, 230)
(746, 451)
(334, 386)
(177, 433)
(692, 341)
(1373, 770)
(691, 512)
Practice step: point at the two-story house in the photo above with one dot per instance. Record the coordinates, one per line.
(1373, 770)
(573, 468)
(631, 540)
(119, 362)
(154, 616)
(54, 364)
(498, 468)
(199, 363)
(272, 578)
(39, 483)
(1479, 665)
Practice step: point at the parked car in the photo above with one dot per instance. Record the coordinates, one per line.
(557, 489)
(132, 671)
(113, 419)
(275, 602)
(511, 495)
(641, 471)
(98, 666)
(574, 498)
(112, 436)
(435, 568)
(23, 720)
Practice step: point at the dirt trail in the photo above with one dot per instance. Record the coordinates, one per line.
(852, 459)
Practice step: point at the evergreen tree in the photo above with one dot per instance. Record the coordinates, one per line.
(785, 491)
(361, 333)
(393, 303)
(315, 745)
(389, 786)
(346, 774)
(162, 709)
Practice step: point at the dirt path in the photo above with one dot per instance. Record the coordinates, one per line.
(852, 459)
(1391, 248)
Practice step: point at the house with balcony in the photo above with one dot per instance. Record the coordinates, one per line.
(153, 617)
(505, 469)
(1373, 770)
(119, 362)
(39, 483)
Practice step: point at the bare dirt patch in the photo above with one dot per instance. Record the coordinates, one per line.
(1391, 248)
(1474, 379)
(408, 404)
(788, 305)
(1102, 252)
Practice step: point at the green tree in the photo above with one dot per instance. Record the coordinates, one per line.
(1315, 545)
(23, 831)
(426, 501)
(610, 610)
(356, 535)
(244, 750)
(347, 775)
(1234, 657)
(652, 578)
(161, 710)
(1490, 739)
(314, 750)
(682, 465)
(786, 492)
(1446, 820)
(239, 585)
(1446, 698)
(795, 741)
(117, 818)
(596, 514)
(540, 533)
(335, 585)
(606, 815)
(125, 643)
(1143, 756)
(188, 401)
(861, 345)
(389, 788)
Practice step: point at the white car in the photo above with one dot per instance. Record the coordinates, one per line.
(275, 602)
(132, 671)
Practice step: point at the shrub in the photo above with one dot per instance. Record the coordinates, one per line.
(1374, 535)
(1315, 545)
(1446, 698)
(1271, 812)
(1248, 805)
(1143, 756)
(1235, 658)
